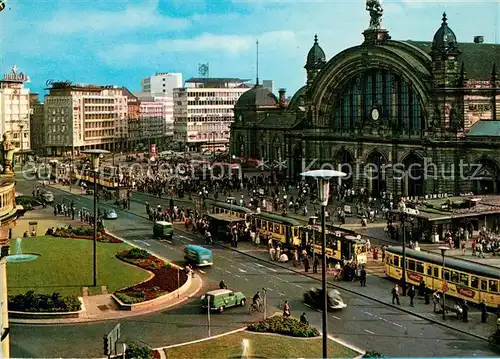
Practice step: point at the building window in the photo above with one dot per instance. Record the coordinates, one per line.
(395, 98)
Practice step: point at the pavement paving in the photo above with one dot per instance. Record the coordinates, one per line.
(367, 323)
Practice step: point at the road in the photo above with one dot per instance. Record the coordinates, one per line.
(365, 323)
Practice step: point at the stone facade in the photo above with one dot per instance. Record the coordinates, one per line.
(412, 118)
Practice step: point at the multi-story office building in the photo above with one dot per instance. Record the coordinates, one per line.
(15, 109)
(203, 112)
(79, 117)
(133, 119)
(152, 126)
(162, 84)
(36, 124)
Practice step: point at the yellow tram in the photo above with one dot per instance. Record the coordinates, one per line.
(339, 244)
(459, 278)
(283, 229)
(231, 210)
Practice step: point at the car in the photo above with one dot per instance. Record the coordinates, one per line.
(314, 297)
(46, 196)
(89, 191)
(220, 299)
(110, 214)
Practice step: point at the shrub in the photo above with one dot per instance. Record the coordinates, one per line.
(138, 352)
(167, 266)
(284, 325)
(28, 202)
(136, 253)
(131, 298)
(372, 354)
(31, 302)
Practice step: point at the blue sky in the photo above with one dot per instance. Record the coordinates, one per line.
(119, 42)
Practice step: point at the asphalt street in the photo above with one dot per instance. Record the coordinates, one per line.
(365, 323)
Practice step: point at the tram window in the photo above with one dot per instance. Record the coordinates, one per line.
(446, 274)
(493, 286)
(436, 272)
(420, 267)
(464, 279)
(429, 270)
(411, 264)
(295, 232)
(454, 277)
(484, 284)
(474, 282)
(396, 261)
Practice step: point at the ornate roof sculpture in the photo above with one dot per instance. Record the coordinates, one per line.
(316, 58)
(445, 41)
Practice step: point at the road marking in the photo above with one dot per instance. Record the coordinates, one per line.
(149, 245)
(370, 314)
(282, 294)
(285, 281)
(369, 331)
(217, 267)
(272, 270)
(170, 247)
(307, 305)
(247, 279)
(397, 325)
(189, 239)
(336, 317)
(259, 265)
(298, 285)
(269, 289)
(237, 275)
(227, 271)
(201, 271)
(242, 270)
(385, 320)
(169, 242)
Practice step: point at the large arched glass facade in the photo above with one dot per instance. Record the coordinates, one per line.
(396, 100)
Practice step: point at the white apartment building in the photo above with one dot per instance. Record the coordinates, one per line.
(168, 109)
(152, 118)
(15, 109)
(79, 117)
(162, 84)
(203, 112)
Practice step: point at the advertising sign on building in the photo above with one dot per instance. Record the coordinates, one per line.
(153, 150)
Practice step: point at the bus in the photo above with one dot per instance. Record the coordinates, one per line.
(459, 278)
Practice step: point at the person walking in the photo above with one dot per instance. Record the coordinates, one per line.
(395, 294)
(315, 264)
(411, 294)
(465, 312)
(286, 310)
(484, 312)
(363, 276)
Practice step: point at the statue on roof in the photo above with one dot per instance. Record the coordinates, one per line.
(8, 150)
(375, 9)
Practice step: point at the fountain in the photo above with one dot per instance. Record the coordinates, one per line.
(245, 346)
(19, 256)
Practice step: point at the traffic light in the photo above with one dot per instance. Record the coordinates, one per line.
(106, 345)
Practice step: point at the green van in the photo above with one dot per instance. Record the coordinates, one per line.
(163, 230)
(221, 299)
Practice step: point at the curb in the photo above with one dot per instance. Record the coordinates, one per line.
(356, 293)
(201, 340)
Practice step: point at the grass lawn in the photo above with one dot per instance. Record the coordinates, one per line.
(65, 266)
(261, 345)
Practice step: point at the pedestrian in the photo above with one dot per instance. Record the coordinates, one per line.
(465, 311)
(303, 319)
(315, 264)
(484, 312)
(395, 294)
(286, 310)
(306, 264)
(363, 276)
(411, 294)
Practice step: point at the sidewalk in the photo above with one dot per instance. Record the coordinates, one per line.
(102, 307)
(379, 289)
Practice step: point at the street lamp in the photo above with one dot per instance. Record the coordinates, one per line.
(96, 156)
(445, 284)
(323, 177)
(404, 216)
(312, 222)
(21, 126)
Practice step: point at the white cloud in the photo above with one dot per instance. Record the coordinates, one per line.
(204, 43)
(134, 17)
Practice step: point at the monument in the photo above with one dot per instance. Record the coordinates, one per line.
(8, 150)
(375, 33)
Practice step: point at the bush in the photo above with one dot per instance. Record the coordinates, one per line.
(31, 302)
(138, 352)
(373, 354)
(131, 298)
(74, 231)
(136, 253)
(284, 325)
(167, 266)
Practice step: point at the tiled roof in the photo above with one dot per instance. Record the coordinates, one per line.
(485, 128)
(478, 59)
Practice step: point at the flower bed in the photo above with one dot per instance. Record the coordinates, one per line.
(31, 302)
(283, 325)
(163, 282)
(84, 233)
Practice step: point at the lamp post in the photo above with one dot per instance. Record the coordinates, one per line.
(312, 222)
(323, 177)
(21, 127)
(404, 216)
(445, 284)
(96, 155)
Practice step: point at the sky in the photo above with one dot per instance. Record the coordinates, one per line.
(119, 42)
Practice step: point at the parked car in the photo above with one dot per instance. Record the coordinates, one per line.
(110, 214)
(314, 297)
(221, 299)
(46, 196)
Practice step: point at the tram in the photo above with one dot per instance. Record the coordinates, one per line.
(283, 229)
(459, 278)
(231, 209)
(340, 244)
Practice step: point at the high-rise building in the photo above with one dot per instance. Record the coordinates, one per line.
(133, 119)
(203, 112)
(162, 84)
(15, 109)
(36, 124)
(152, 118)
(79, 117)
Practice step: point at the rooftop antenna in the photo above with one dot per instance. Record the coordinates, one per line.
(257, 67)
